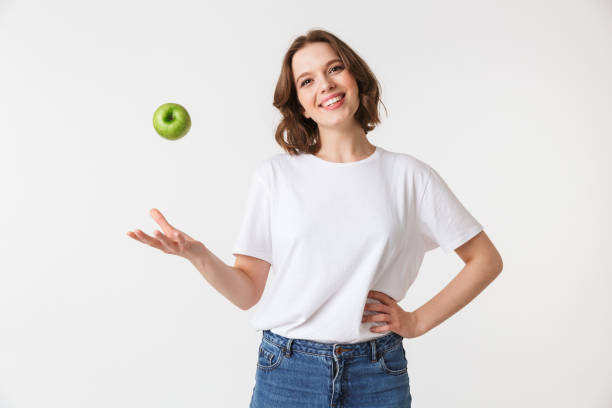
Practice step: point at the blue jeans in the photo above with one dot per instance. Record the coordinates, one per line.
(293, 373)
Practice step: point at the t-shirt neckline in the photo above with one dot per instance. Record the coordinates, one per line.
(372, 156)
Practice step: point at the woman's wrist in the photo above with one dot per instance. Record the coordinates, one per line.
(199, 255)
(421, 325)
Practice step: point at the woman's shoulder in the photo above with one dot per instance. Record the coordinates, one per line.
(265, 167)
(272, 160)
(407, 161)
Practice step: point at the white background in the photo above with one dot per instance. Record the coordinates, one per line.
(510, 101)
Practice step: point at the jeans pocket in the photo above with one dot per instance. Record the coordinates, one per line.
(270, 355)
(393, 361)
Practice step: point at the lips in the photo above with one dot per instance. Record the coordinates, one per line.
(330, 97)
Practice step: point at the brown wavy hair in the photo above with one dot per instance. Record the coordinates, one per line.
(297, 134)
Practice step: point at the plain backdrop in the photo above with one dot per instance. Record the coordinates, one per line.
(510, 101)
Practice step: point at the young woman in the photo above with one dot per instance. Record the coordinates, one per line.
(344, 225)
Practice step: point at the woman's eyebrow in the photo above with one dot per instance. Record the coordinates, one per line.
(328, 63)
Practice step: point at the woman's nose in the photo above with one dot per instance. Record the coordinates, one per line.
(328, 85)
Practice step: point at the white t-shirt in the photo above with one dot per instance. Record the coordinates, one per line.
(334, 231)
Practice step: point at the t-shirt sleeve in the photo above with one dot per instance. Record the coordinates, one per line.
(254, 237)
(444, 221)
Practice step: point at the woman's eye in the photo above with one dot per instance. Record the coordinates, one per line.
(337, 66)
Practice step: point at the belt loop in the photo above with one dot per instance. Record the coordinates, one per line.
(288, 350)
(373, 344)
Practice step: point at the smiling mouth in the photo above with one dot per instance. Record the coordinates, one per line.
(341, 98)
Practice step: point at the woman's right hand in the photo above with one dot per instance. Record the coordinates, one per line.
(171, 241)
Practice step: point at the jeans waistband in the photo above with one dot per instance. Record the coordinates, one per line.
(372, 347)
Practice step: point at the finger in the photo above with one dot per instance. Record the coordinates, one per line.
(377, 329)
(180, 237)
(377, 307)
(161, 220)
(136, 237)
(166, 242)
(168, 229)
(381, 317)
(144, 238)
(383, 297)
(373, 294)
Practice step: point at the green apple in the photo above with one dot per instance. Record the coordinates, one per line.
(171, 121)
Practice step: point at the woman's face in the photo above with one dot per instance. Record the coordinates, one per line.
(318, 73)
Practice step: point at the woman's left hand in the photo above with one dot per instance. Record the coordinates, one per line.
(398, 320)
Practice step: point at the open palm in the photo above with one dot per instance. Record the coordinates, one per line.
(171, 241)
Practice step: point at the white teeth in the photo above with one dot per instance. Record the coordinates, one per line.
(333, 100)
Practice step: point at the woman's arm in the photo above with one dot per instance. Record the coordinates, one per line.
(482, 265)
(233, 283)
